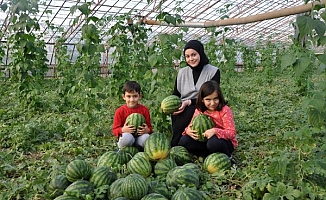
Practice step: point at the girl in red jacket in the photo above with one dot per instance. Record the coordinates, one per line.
(221, 138)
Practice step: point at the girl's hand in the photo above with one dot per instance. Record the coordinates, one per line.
(143, 129)
(183, 106)
(191, 133)
(128, 128)
(209, 133)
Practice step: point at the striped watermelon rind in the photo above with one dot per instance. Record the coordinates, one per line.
(57, 185)
(80, 188)
(162, 167)
(187, 193)
(216, 162)
(115, 189)
(156, 186)
(114, 160)
(180, 175)
(180, 155)
(136, 120)
(134, 186)
(78, 170)
(155, 196)
(102, 176)
(66, 197)
(157, 146)
(170, 104)
(201, 123)
(139, 165)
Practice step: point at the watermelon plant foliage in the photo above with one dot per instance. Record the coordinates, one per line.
(279, 111)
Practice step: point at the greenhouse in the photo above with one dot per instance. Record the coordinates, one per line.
(100, 98)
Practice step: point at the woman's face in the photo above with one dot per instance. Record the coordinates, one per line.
(192, 57)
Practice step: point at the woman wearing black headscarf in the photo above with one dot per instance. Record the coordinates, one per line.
(188, 83)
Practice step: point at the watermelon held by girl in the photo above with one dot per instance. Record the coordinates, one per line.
(136, 120)
(170, 104)
(202, 123)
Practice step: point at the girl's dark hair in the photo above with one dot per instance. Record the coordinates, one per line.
(207, 89)
(131, 86)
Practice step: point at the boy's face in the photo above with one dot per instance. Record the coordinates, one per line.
(131, 98)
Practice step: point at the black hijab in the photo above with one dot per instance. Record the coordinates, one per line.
(199, 47)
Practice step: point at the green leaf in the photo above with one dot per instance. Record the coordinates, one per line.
(4, 7)
(301, 65)
(287, 60)
(73, 9)
(170, 20)
(321, 58)
(84, 9)
(152, 60)
(305, 25)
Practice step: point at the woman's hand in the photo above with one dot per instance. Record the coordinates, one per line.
(191, 133)
(209, 133)
(183, 106)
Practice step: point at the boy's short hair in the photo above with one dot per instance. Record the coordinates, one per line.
(131, 86)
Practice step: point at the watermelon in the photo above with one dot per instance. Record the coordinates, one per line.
(162, 167)
(121, 198)
(134, 187)
(115, 189)
(187, 194)
(170, 104)
(156, 186)
(78, 170)
(66, 197)
(216, 162)
(180, 175)
(102, 176)
(80, 188)
(131, 150)
(114, 159)
(180, 155)
(194, 167)
(58, 185)
(136, 120)
(157, 146)
(155, 196)
(201, 123)
(140, 165)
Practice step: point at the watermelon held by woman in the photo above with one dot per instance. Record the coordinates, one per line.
(136, 120)
(201, 123)
(170, 104)
(216, 162)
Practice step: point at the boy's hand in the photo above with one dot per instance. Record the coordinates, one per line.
(143, 129)
(128, 128)
(191, 133)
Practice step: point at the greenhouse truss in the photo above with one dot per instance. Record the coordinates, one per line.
(273, 22)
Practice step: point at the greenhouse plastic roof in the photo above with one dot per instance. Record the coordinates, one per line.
(277, 29)
(191, 11)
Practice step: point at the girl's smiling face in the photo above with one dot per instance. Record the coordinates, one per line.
(211, 101)
(192, 57)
